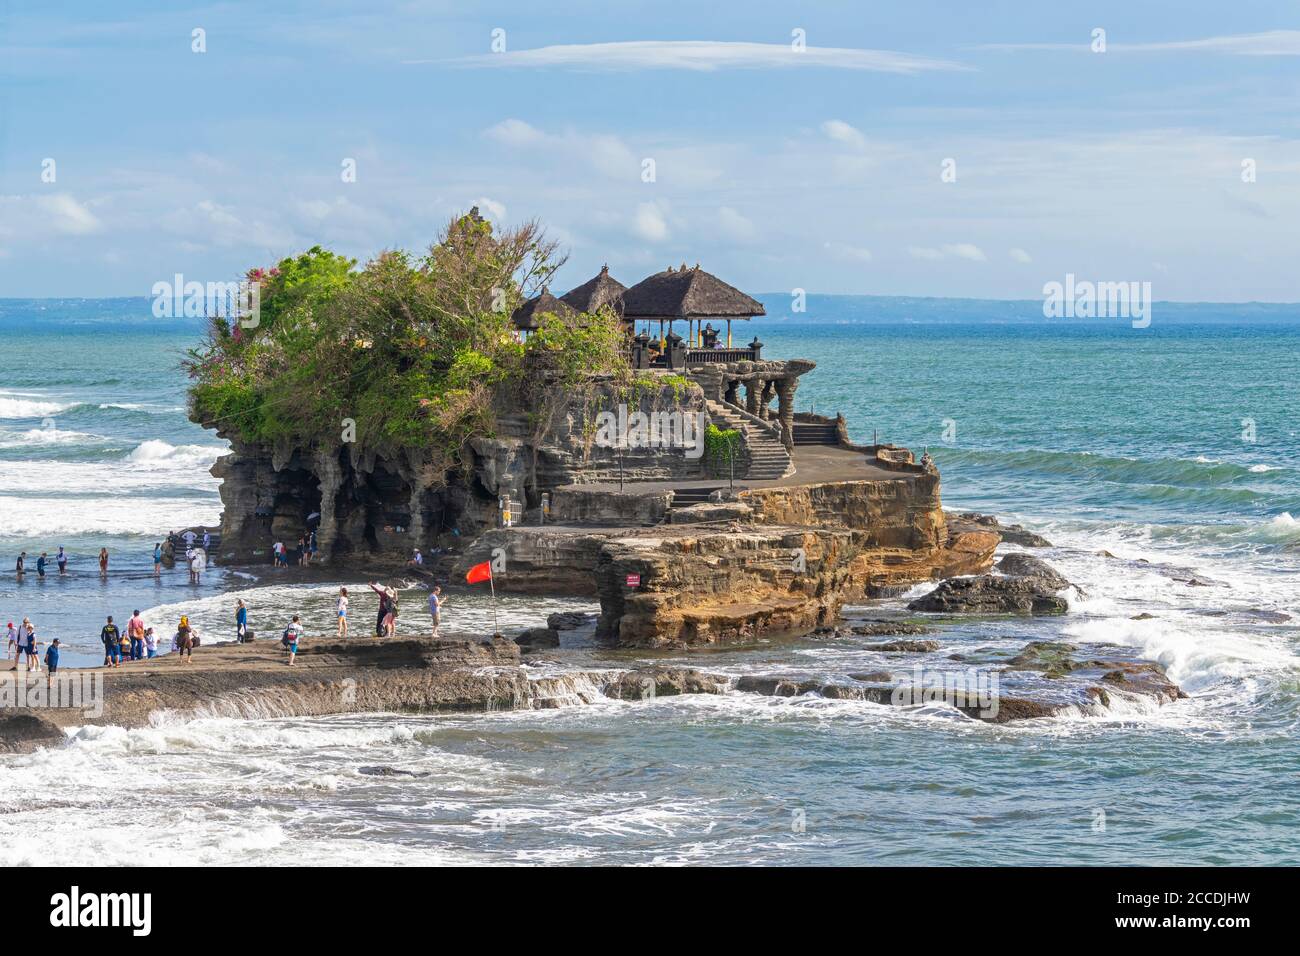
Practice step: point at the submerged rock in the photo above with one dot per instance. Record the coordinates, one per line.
(538, 637)
(905, 647)
(382, 771)
(569, 620)
(987, 594)
(888, 628)
(663, 681)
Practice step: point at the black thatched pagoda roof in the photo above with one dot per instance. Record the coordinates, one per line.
(525, 317)
(687, 293)
(599, 291)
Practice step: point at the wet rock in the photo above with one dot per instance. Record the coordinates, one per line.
(905, 647)
(382, 771)
(874, 677)
(536, 637)
(992, 595)
(23, 733)
(1027, 566)
(1272, 617)
(569, 620)
(664, 681)
(1011, 534)
(888, 628)
(1144, 616)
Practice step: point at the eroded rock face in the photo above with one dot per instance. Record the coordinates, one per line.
(988, 594)
(1011, 534)
(24, 732)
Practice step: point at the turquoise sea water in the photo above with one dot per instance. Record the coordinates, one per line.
(1178, 445)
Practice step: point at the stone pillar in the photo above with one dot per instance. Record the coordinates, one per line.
(330, 476)
(752, 387)
(785, 388)
(765, 401)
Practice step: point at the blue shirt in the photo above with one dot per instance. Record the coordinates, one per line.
(52, 657)
(241, 616)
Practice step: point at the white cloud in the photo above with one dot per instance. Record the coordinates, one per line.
(704, 55)
(1270, 43)
(842, 132)
(1019, 255)
(966, 250)
(736, 226)
(649, 222)
(41, 216)
(491, 209)
(853, 253)
(514, 132)
(921, 252)
(955, 250)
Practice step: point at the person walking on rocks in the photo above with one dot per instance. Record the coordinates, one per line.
(385, 621)
(292, 634)
(33, 662)
(241, 621)
(135, 631)
(341, 610)
(185, 640)
(52, 658)
(112, 644)
(435, 608)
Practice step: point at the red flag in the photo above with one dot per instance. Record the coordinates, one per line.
(480, 572)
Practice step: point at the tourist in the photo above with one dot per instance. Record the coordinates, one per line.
(341, 608)
(292, 634)
(150, 643)
(52, 657)
(124, 646)
(157, 559)
(207, 540)
(11, 649)
(241, 621)
(302, 551)
(20, 647)
(185, 639)
(188, 538)
(33, 662)
(112, 644)
(435, 608)
(103, 560)
(21, 565)
(135, 629)
(200, 564)
(311, 545)
(278, 557)
(62, 560)
(417, 560)
(40, 566)
(387, 616)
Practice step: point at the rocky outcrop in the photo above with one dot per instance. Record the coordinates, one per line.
(988, 594)
(1011, 534)
(25, 732)
(1018, 565)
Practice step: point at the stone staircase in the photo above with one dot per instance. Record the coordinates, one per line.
(815, 433)
(766, 457)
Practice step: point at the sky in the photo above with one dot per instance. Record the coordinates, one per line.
(919, 148)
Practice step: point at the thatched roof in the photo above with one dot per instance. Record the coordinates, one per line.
(687, 293)
(525, 317)
(604, 289)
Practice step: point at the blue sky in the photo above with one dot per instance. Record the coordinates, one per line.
(773, 168)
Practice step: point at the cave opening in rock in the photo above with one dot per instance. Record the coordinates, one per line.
(297, 498)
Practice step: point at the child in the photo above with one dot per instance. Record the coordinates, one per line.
(52, 657)
(342, 610)
(11, 649)
(291, 635)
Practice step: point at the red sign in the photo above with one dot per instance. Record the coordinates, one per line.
(634, 580)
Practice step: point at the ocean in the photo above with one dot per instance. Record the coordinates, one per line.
(1140, 453)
